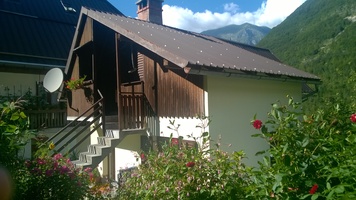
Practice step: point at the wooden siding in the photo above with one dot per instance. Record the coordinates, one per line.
(77, 101)
(179, 94)
(87, 32)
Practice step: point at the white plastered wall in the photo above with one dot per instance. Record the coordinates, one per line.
(232, 104)
(18, 83)
(127, 153)
(186, 127)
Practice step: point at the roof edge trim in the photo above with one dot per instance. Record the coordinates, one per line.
(240, 74)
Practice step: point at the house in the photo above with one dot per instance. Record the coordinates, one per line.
(149, 75)
(35, 37)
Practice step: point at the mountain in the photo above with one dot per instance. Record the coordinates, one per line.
(244, 33)
(320, 37)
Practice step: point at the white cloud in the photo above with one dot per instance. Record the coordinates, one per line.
(231, 7)
(270, 14)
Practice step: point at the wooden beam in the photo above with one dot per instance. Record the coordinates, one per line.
(118, 80)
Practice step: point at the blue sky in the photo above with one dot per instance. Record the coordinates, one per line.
(200, 15)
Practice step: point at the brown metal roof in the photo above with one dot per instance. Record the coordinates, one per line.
(196, 51)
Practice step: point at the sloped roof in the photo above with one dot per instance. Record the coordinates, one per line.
(40, 32)
(195, 51)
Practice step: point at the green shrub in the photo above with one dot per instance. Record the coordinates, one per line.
(14, 133)
(180, 171)
(311, 156)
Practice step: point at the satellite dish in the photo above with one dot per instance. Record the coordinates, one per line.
(53, 80)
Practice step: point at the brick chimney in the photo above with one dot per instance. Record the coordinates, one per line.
(150, 10)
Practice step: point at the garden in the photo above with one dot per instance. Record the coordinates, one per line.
(311, 156)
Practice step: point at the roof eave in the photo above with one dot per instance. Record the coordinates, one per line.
(206, 70)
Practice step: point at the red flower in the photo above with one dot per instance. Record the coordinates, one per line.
(257, 124)
(353, 118)
(190, 164)
(49, 172)
(143, 157)
(313, 189)
(41, 161)
(175, 141)
(57, 156)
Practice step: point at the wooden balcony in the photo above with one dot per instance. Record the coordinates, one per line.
(137, 113)
(53, 118)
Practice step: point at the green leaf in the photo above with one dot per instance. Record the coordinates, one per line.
(15, 117)
(167, 168)
(315, 196)
(340, 189)
(256, 135)
(305, 196)
(260, 153)
(351, 138)
(330, 194)
(285, 148)
(11, 128)
(328, 185)
(205, 134)
(305, 142)
(264, 129)
(23, 115)
(290, 101)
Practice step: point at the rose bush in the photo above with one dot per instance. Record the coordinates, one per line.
(56, 178)
(310, 156)
(179, 171)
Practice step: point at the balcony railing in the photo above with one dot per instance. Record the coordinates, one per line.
(137, 113)
(53, 118)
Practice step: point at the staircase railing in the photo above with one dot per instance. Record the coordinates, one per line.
(89, 119)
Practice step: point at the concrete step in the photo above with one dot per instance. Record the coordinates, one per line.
(81, 164)
(97, 152)
(98, 149)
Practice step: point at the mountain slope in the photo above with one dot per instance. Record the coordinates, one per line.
(320, 37)
(244, 33)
